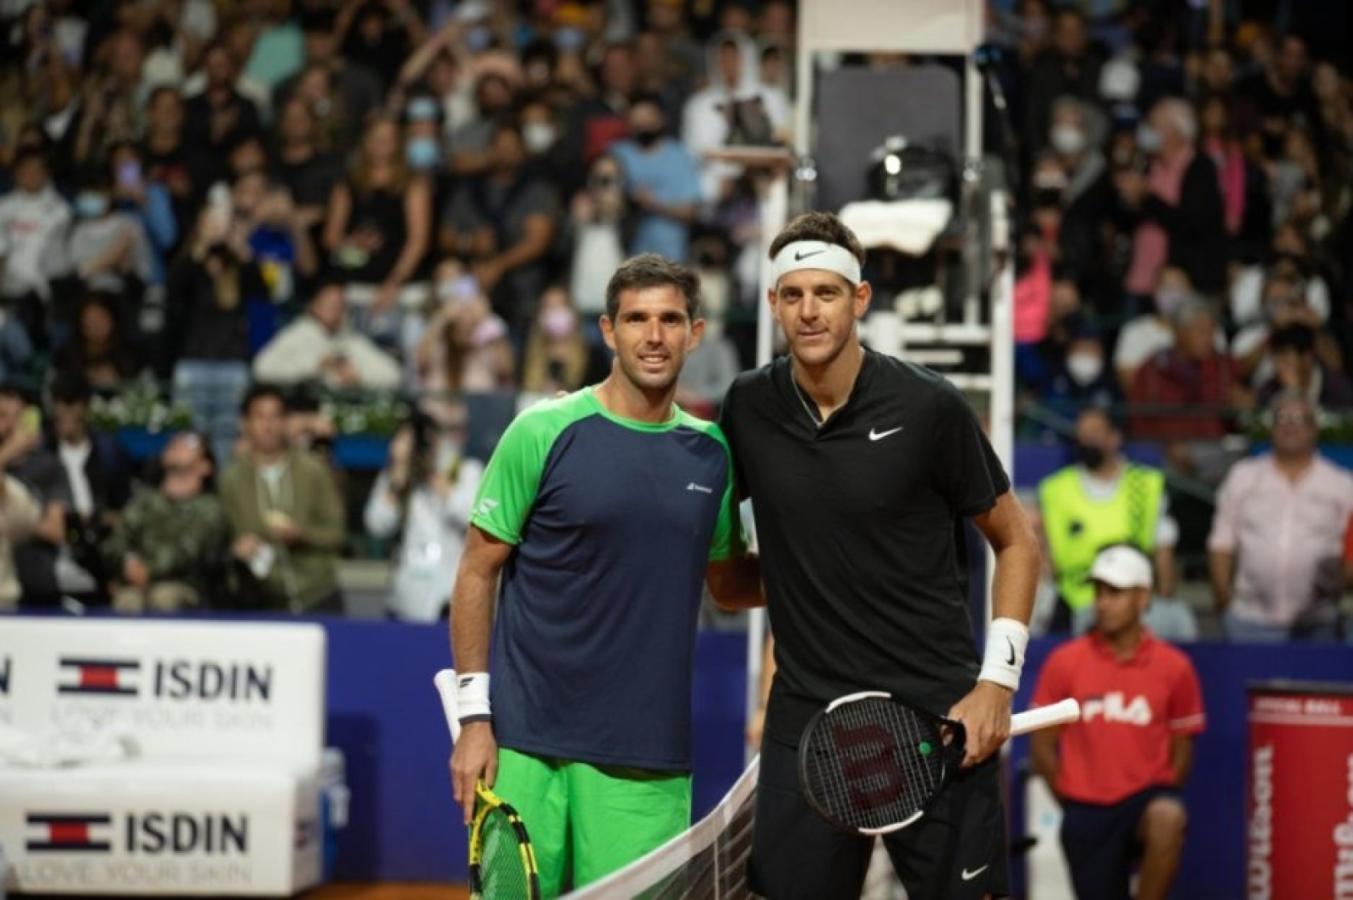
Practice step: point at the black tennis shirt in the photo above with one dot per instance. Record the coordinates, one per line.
(859, 523)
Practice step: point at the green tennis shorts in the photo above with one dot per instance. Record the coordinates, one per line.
(585, 821)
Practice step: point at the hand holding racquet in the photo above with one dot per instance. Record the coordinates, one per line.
(502, 860)
(474, 758)
(872, 764)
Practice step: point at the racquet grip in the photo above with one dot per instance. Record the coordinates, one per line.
(445, 680)
(1059, 713)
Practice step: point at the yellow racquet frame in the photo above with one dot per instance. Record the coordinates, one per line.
(487, 802)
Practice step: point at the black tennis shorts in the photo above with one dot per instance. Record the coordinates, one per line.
(1101, 843)
(956, 851)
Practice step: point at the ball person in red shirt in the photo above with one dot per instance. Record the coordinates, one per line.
(1118, 771)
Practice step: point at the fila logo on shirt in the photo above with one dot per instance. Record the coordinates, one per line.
(1114, 707)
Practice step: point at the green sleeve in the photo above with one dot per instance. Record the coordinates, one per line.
(507, 492)
(726, 542)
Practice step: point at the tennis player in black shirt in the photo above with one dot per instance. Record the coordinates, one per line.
(861, 469)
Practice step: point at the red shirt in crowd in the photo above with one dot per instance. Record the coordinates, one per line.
(1200, 389)
(1130, 711)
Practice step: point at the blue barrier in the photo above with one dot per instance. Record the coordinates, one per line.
(385, 716)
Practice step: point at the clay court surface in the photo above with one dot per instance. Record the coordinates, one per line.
(388, 892)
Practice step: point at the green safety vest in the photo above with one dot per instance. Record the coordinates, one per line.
(1079, 526)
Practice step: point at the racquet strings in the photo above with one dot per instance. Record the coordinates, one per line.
(502, 871)
(871, 763)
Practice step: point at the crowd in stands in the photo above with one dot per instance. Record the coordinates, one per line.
(426, 197)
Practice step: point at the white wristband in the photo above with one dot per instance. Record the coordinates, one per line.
(472, 697)
(1004, 657)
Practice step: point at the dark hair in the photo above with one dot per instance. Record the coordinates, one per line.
(159, 91)
(13, 391)
(258, 392)
(651, 270)
(29, 154)
(317, 20)
(651, 98)
(1293, 337)
(302, 399)
(1110, 417)
(818, 226)
(71, 389)
(507, 121)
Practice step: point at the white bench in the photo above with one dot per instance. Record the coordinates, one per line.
(222, 792)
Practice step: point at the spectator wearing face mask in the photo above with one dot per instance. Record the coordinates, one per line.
(1176, 205)
(1083, 380)
(1076, 139)
(1102, 498)
(107, 249)
(662, 180)
(423, 136)
(1068, 67)
(557, 356)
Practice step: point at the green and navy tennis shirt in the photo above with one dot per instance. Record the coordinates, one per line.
(614, 522)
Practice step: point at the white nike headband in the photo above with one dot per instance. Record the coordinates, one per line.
(816, 255)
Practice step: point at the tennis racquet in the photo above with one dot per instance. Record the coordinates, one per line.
(872, 764)
(502, 860)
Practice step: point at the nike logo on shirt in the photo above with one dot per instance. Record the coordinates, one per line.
(969, 876)
(699, 487)
(880, 435)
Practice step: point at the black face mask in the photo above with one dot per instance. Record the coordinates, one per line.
(648, 137)
(1090, 455)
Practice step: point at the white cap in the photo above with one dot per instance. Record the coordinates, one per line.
(1122, 567)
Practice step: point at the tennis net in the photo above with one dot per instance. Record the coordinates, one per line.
(708, 861)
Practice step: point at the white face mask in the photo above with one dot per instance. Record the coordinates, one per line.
(538, 136)
(1148, 138)
(1068, 140)
(1169, 299)
(1084, 368)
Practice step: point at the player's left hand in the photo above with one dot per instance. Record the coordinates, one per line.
(985, 714)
